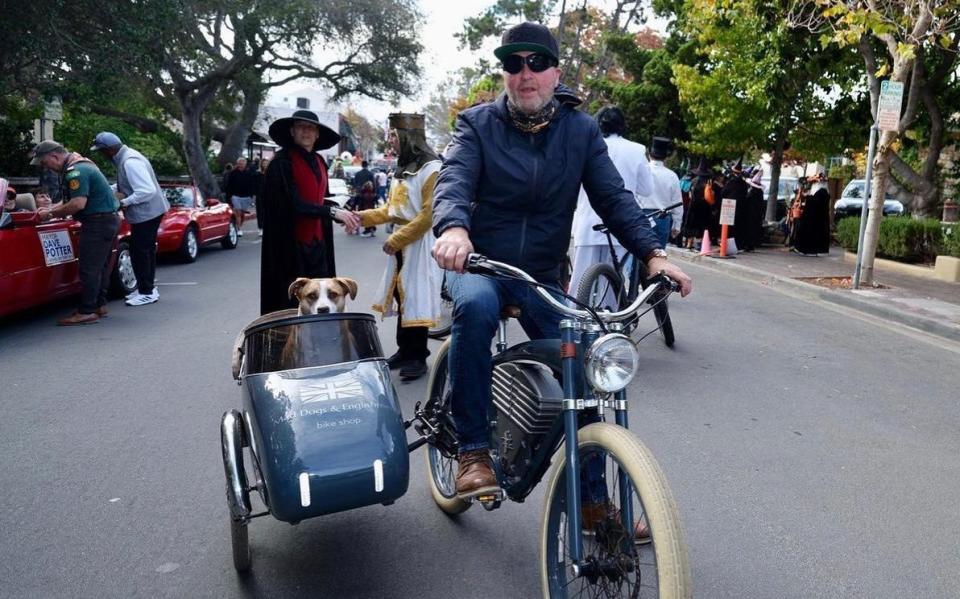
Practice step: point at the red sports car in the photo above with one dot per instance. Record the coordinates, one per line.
(38, 261)
(193, 221)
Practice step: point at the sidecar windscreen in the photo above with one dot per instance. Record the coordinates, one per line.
(287, 343)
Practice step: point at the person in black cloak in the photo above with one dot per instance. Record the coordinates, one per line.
(812, 230)
(297, 217)
(750, 235)
(703, 197)
(736, 189)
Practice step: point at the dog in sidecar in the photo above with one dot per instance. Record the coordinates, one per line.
(320, 429)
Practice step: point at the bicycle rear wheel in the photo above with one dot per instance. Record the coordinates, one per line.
(600, 287)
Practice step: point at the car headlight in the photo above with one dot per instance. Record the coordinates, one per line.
(611, 362)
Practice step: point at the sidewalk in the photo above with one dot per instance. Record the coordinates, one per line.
(928, 305)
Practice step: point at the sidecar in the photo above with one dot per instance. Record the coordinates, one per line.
(320, 429)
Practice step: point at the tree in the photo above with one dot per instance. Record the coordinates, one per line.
(895, 38)
(366, 135)
(452, 92)
(761, 84)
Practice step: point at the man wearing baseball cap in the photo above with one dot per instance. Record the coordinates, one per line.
(508, 189)
(88, 199)
(143, 204)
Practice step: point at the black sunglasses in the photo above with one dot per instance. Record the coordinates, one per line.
(538, 63)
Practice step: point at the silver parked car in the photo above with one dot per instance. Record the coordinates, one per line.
(851, 202)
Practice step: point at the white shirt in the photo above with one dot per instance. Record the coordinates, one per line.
(630, 158)
(665, 191)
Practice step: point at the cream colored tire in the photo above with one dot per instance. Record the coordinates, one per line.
(441, 472)
(669, 544)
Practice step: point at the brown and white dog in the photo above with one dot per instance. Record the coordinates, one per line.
(320, 296)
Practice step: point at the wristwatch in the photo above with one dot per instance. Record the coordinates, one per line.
(657, 253)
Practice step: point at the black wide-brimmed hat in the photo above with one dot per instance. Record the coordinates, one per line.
(704, 169)
(280, 130)
(661, 147)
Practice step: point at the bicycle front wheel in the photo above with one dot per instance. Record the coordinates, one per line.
(441, 464)
(613, 565)
(662, 315)
(600, 287)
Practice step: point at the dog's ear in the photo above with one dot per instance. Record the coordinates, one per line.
(350, 284)
(296, 286)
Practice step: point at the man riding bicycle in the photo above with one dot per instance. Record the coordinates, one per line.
(508, 189)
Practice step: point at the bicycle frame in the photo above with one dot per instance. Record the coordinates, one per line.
(567, 359)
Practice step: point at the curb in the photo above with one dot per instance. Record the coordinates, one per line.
(815, 292)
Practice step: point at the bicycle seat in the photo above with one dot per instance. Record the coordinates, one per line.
(509, 311)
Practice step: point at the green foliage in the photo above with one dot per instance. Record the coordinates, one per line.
(16, 137)
(492, 21)
(848, 233)
(901, 238)
(951, 242)
(649, 99)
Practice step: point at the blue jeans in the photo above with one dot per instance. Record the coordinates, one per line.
(477, 301)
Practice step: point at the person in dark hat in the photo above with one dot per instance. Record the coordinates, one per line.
(735, 188)
(703, 197)
(297, 217)
(508, 189)
(665, 190)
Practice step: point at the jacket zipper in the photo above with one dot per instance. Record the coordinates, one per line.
(536, 175)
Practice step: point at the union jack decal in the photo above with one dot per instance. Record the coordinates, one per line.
(334, 389)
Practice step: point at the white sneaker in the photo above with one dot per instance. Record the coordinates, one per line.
(261, 233)
(239, 233)
(141, 300)
(155, 294)
(132, 294)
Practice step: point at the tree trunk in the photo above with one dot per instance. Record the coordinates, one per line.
(775, 163)
(238, 132)
(192, 104)
(881, 174)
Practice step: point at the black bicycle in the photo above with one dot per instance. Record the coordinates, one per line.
(613, 287)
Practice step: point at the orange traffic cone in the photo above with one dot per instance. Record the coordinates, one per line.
(705, 247)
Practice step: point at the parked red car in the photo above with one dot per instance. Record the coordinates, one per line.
(38, 261)
(193, 221)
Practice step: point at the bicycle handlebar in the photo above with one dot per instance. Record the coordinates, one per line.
(651, 212)
(479, 264)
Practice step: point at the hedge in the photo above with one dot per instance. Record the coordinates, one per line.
(902, 238)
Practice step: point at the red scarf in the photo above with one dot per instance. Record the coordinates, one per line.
(312, 189)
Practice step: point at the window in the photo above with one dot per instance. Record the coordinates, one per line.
(179, 197)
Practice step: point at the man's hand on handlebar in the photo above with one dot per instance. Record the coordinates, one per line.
(452, 248)
(655, 265)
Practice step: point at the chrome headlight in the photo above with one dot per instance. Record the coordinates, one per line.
(611, 362)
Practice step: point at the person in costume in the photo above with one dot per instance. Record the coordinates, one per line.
(749, 236)
(297, 217)
(410, 288)
(736, 188)
(703, 197)
(811, 232)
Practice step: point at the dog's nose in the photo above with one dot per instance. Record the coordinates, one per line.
(323, 310)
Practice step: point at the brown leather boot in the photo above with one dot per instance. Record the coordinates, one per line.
(78, 318)
(593, 514)
(475, 476)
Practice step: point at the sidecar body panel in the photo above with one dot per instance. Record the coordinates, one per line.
(323, 418)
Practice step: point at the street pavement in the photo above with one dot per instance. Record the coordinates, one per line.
(813, 453)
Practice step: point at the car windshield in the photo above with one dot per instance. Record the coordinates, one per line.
(854, 190)
(179, 197)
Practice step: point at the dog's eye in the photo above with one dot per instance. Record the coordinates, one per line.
(333, 294)
(312, 296)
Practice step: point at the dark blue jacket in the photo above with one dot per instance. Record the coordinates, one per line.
(516, 192)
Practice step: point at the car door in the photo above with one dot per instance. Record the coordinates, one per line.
(215, 215)
(39, 262)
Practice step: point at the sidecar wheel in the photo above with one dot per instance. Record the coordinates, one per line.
(241, 545)
(442, 471)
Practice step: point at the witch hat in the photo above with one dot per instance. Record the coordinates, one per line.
(705, 247)
(737, 168)
(704, 169)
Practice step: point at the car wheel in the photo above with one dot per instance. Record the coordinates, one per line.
(230, 241)
(189, 247)
(123, 280)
